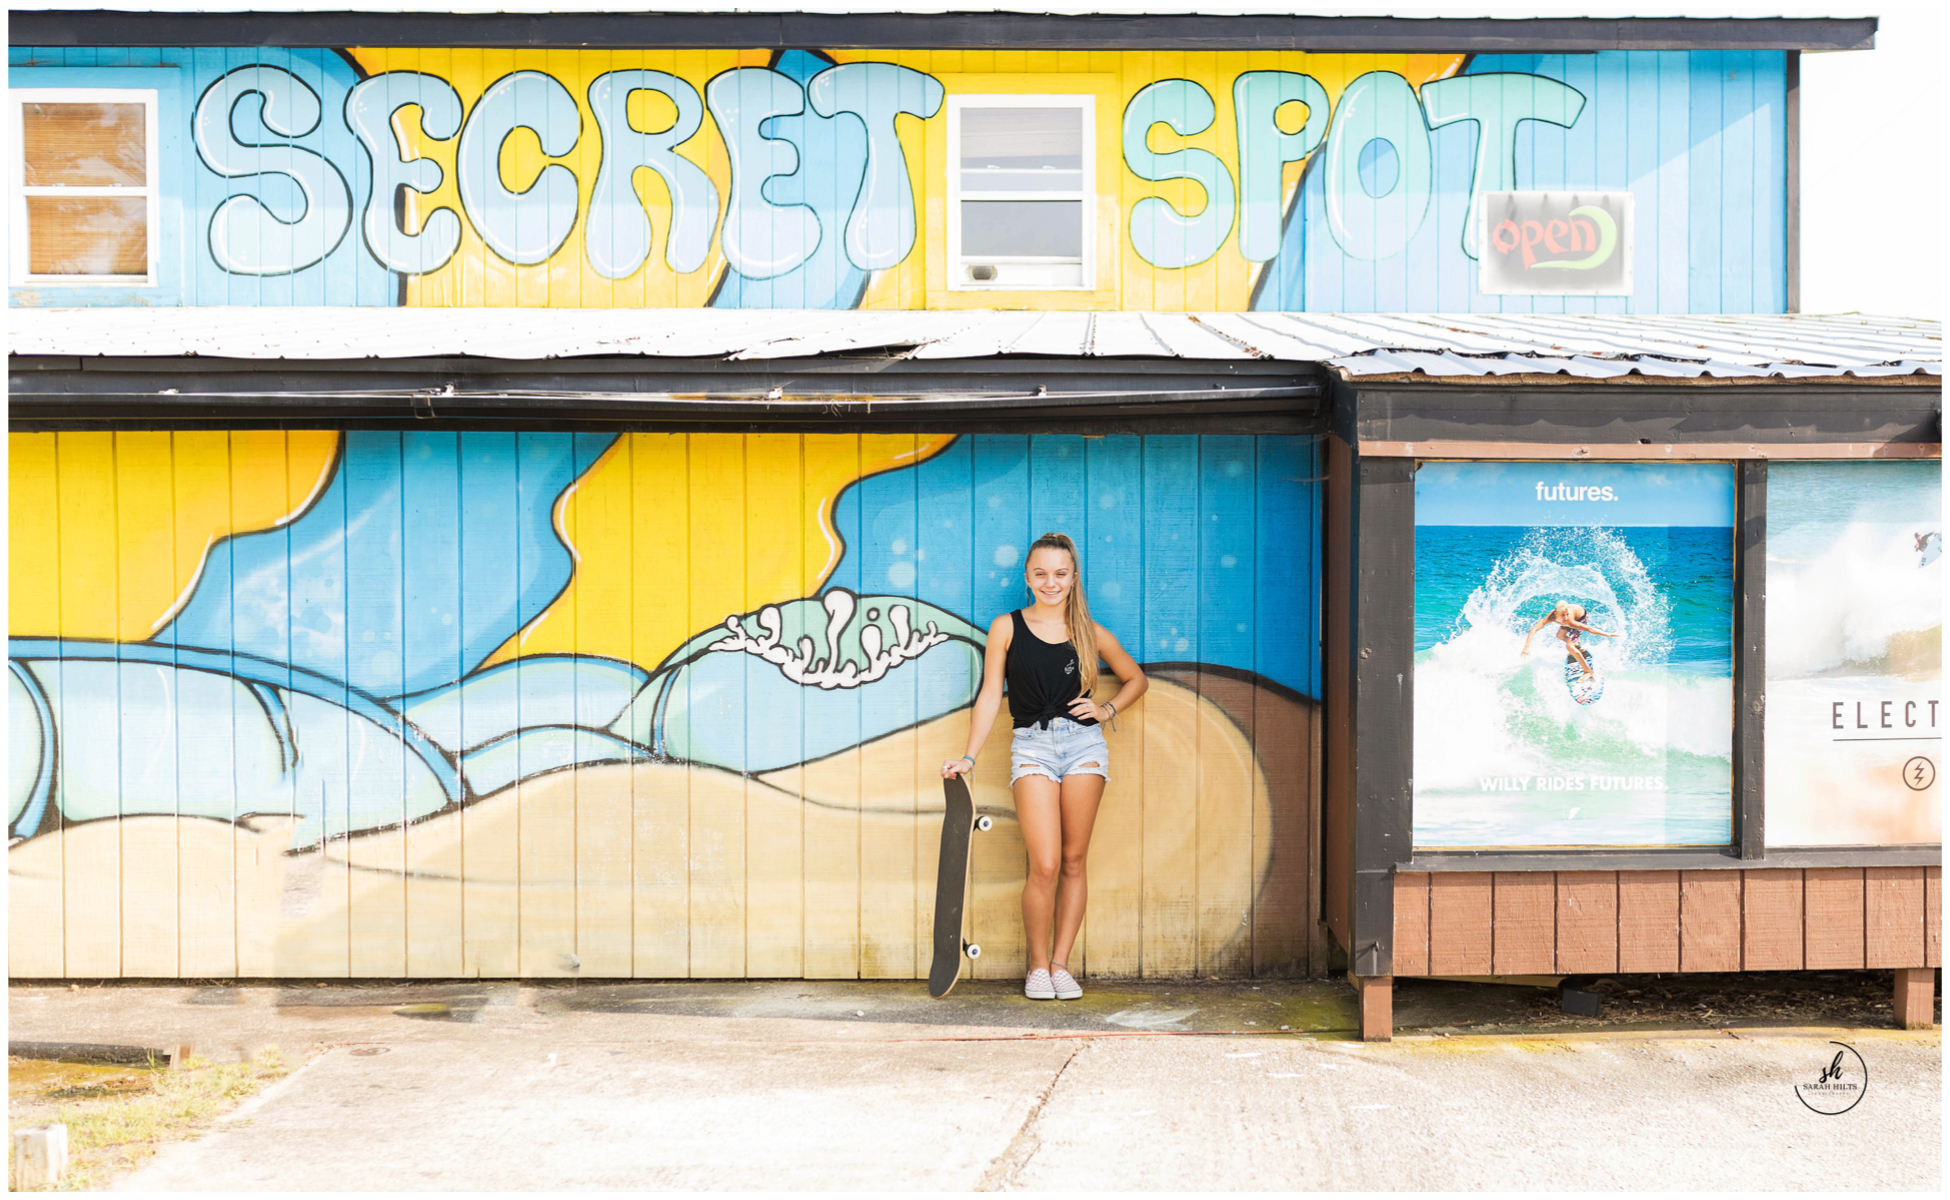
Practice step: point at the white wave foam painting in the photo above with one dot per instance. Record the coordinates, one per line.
(1854, 653)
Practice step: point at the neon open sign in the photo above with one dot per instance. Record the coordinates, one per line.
(1556, 244)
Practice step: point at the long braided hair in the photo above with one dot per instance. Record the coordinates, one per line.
(1076, 609)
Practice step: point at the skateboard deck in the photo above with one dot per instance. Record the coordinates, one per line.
(951, 887)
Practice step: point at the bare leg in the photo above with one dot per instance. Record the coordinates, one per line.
(1572, 649)
(1039, 812)
(1081, 795)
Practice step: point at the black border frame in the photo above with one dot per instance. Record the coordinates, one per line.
(832, 393)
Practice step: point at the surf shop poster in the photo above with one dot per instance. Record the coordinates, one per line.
(1854, 653)
(1616, 728)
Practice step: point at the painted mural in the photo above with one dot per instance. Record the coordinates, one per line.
(381, 703)
(819, 180)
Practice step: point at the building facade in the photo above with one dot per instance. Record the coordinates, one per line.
(379, 609)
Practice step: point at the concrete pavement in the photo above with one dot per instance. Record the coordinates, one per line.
(865, 1085)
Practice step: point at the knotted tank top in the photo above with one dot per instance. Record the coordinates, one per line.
(1043, 678)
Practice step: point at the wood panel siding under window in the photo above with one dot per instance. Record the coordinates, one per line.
(1774, 919)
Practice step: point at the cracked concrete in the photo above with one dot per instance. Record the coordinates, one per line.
(790, 1084)
(1001, 1175)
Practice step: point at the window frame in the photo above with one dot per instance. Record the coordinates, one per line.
(150, 191)
(1086, 197)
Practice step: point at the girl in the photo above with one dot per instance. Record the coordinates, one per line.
(1058, 760)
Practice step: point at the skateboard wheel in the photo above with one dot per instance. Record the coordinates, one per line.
(972, 950)
(984, 823)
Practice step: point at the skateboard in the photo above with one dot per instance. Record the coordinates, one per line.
(958, 826)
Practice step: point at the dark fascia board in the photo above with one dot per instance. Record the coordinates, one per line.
(1103, 423)
(827, 392)
(903, 31)
(1773, 411)
(875, 372)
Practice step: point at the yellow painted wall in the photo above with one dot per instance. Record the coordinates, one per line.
(775, 476)
(107, 543)
(476, 277)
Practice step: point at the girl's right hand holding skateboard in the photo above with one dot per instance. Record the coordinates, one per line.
(957, 766)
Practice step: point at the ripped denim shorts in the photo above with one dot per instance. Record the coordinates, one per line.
(1065, 748)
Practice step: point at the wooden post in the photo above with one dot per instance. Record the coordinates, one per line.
(40, 1156)
(1915, 997)
(1376, 996)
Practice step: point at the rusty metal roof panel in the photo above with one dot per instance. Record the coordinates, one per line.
(1359, 345)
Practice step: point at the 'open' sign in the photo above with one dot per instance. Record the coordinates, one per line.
(1556, 244)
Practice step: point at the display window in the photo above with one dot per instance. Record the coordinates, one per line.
(1854, 653)
(1573, 654)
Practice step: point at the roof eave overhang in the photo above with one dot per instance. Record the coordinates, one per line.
(1826, 417)
(829, 392)
(972, 30)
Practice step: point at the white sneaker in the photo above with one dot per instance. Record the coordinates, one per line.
(1039, 987)
(1064, 984)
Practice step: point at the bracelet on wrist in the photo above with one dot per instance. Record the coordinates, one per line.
(970, 759)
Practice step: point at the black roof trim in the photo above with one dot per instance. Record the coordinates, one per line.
(901, 31)
(63, 392)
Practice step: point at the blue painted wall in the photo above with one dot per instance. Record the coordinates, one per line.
(1698, 137)
(193, 191)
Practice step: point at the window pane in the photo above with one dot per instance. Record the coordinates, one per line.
(1021, 179)
(87, 235)
(1031, 138)
(1031, 228)
(84, 145)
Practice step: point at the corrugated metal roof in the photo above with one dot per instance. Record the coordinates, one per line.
(1358, 345)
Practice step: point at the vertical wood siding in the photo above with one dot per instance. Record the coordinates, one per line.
(1371, 213)
(1462, 922)
(657, 705)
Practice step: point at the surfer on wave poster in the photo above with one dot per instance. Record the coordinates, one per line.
(1570, 620)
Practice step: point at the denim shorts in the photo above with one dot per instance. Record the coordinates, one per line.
(1065, 748)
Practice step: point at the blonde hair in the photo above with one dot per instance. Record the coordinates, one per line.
(1076, 609)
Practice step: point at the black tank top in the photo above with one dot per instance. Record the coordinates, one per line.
(1043, 678)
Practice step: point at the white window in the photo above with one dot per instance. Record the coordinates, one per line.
(85, 195)
(1021, 184)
